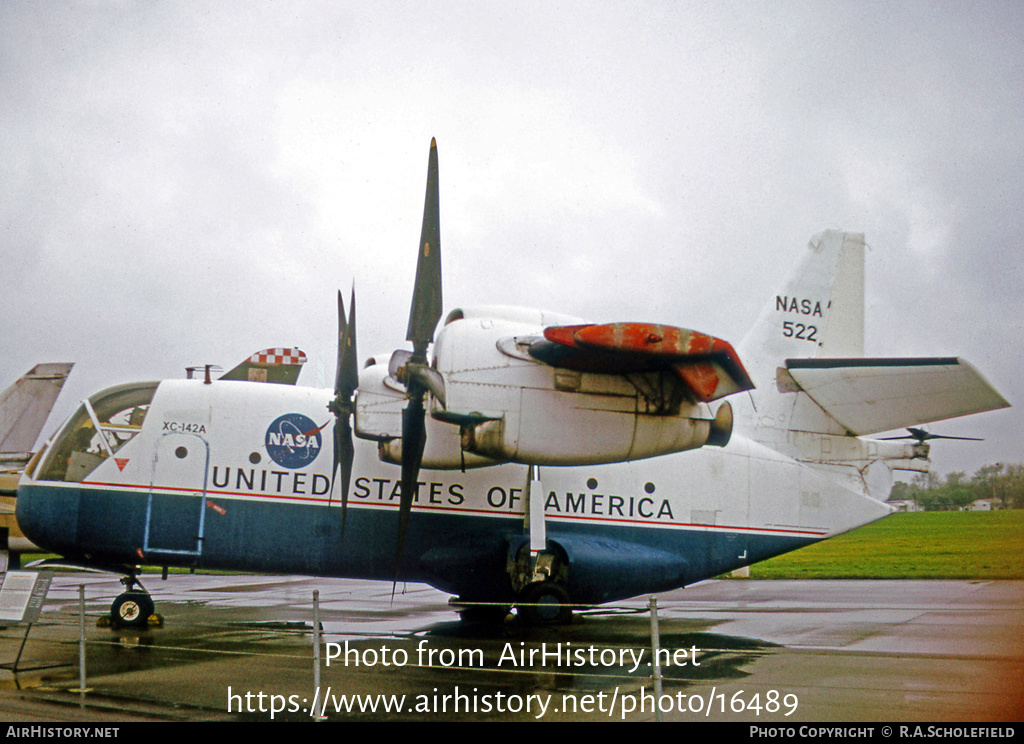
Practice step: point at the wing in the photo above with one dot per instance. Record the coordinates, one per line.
(708, 367)
(280, 366)
(867, 396)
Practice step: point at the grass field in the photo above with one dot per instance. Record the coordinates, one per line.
(925, 545)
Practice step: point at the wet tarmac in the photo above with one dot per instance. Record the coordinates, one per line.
(241, 648)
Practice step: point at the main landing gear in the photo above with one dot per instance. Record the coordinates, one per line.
(538, 585)
(539, 582)
(133, 607)
(545, 603)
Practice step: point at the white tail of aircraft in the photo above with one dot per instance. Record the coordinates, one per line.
(818, 313)
(818, 394)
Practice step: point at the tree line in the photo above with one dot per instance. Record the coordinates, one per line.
(1001, 484)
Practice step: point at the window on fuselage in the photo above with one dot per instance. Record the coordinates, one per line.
(80, 447)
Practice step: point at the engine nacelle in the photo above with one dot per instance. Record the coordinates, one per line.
(512, 407)
(500, 404)
(584, 437)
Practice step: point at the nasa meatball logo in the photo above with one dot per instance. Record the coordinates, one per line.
(293, 440)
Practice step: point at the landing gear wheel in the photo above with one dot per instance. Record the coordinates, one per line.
(131, 610)
(545, 603)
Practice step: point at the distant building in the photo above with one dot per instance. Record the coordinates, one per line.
(906, 505)
(980, 505)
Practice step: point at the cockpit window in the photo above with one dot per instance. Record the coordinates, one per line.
(101, 426)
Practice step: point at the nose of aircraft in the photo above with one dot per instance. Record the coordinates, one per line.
(48, 516)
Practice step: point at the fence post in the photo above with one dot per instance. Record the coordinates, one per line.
(81, 641)
(316, 652)
(656, 662)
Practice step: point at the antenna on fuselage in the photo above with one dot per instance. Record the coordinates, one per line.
(207, 368)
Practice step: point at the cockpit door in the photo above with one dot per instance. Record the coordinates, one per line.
(175, 514)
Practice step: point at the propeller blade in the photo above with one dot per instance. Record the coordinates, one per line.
(424, 314)
(345, 384)
(347, 379)
(414, 438)
(426, 296)
(344, 454)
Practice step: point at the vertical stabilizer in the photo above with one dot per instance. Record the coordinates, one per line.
(818, 312)
(844, 323)
(25, 406)
(278, 365)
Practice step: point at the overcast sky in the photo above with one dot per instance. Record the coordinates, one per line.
(185, 183)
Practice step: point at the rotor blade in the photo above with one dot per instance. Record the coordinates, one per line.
(923, 436)
(426, 297)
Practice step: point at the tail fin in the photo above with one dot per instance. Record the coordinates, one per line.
(25, 406)
(281, 366)
(819, 312)
(806, 355)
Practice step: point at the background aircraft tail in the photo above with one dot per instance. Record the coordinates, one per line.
(25, 406)
(280, 365)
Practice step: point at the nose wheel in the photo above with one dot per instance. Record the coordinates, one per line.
(133, 607)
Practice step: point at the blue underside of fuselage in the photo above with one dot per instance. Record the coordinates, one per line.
(463, 554)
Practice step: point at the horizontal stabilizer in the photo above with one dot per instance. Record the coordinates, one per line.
(280, 366)
(867, 396)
